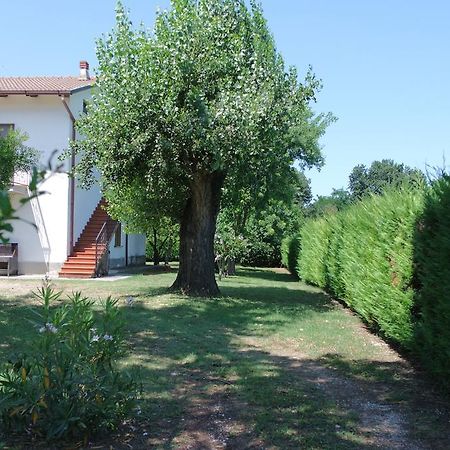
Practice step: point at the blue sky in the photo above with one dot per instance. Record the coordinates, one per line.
(385, 66)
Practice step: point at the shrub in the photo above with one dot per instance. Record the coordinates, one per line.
(260, 254)
(314, 236)
(67, 383)
(284, 250)
(432, 258)
(290, 248)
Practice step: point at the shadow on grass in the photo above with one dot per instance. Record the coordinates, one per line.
(155, 270)
(205, 385)
(268, 275)
(15, 325)
(254, 398)
(191, 352)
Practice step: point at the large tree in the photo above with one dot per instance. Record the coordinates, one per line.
(203, 102)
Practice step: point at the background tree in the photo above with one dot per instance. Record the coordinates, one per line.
(329, 204)
(182, 113)
(228, 246)
(380, 175)
(302, 190)
(15, 156)
(266, 229)
(162, 240)
(261, 224)
(162, 231)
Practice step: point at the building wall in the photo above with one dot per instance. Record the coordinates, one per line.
(86, 200)
(43, 118)
(48, 127)
(136, 251)
(32, 256)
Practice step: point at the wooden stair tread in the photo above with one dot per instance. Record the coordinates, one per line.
(82, 262)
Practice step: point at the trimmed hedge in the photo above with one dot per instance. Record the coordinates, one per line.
(314, 236)
(364, 256)
(290, 248)
(388, 258)
(432, 259)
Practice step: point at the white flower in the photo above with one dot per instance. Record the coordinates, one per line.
(107, 337)
(48, 327)
(95, 338)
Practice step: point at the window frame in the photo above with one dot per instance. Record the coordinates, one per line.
(5, 128)
(118, 236)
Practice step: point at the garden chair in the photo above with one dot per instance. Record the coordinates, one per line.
(9, 259)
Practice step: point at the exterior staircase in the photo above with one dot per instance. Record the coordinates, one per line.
(89, 257)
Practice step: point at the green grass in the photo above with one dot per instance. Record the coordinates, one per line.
(272, 363)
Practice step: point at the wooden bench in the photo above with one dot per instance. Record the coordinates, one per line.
(9, 259)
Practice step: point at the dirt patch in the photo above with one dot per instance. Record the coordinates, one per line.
(211, 417)
(382, 424)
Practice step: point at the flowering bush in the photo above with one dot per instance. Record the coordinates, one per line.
(67, 383)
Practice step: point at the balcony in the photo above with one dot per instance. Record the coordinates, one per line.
(19, 184)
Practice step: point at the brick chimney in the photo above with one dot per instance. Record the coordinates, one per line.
(84, 71)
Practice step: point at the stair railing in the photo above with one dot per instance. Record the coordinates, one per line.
(101, 247)
(41, 228)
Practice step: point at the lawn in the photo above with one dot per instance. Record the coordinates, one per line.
(272, 363)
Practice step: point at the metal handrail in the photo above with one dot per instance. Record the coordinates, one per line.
(41, 227)
(101, 231)
(21, 178)
(101, 245)
(100, 239)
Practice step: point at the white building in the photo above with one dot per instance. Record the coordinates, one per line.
(70, 223)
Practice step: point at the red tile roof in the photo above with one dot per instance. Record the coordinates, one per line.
(41, 85)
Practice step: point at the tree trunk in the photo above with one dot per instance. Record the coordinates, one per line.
(198, 226)
(156, 257)
(231, 269)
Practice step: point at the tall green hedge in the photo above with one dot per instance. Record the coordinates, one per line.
(432, 259)
(388, 258)
(364, 256)
(314, 236)
(333, 265)
(290, 247)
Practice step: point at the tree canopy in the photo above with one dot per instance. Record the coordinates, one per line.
(203, 103)
(15, 156)
(329, 204)
(251, 231)
(381, 175)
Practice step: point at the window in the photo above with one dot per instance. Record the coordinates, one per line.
(118, 236)
(5, 128)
